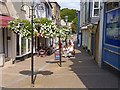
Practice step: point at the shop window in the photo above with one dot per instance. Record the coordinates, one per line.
(29, 45)
(17, 45)
(112, 34)
(23, 45)
(112, 5)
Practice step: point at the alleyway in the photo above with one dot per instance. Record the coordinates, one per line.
(77, 72)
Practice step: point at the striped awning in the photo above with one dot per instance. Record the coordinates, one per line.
(4, 21)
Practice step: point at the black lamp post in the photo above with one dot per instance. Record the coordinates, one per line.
(60, 46)
(66, 20)
(38, 38)
(32, 9)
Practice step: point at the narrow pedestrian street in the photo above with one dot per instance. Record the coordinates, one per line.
(60, 44)
(80, 71)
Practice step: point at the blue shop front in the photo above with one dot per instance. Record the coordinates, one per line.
(111, 38)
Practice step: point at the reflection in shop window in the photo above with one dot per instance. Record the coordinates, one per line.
(113, 26)
(112, 5)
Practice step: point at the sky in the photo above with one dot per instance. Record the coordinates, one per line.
(71, 4)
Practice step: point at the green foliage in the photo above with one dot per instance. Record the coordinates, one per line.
(63, 33)
(72, 17)
(74, 25)
(46, 27)
(24, 30)
(71, 13)
(42, 21)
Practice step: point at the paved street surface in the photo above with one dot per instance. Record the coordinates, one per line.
(77, 72)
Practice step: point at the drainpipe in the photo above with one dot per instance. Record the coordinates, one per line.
(78, 31)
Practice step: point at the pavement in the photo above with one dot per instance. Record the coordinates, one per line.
(80, 71)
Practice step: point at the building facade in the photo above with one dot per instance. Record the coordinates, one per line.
(14, 46)
(90, 13)
(5, 44)
(56, 13)
(111, 34)
(100, 31)
(44, 12)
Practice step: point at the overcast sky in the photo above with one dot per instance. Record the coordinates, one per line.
(72, 4)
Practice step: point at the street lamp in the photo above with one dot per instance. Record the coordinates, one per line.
(66, 19)
(32, 9)
(60, 46)
(38, 36)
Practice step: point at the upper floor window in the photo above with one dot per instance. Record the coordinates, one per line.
(96, 8)
(96, 5)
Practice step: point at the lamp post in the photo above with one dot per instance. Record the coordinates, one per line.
(38, 37)
(32, 9)
(60, 46)
(66, 20)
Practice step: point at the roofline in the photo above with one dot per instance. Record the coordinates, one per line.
(56, 3)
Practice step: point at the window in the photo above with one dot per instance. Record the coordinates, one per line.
(17, 45)
(112, 5)
(112, 28)
(96, 5)
(96, 12)
(23, 45)
(96, 8)
(29, 42)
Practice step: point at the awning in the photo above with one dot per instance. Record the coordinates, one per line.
(4, 21)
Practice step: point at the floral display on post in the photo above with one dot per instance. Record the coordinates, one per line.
(20, 26)
(63, 32)
(46, 27)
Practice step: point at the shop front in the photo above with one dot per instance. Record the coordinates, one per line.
(5, 38)
(23, 47)
(111, 40)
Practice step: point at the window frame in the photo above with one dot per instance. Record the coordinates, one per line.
(93, 8)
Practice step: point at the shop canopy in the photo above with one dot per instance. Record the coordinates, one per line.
(4, 21)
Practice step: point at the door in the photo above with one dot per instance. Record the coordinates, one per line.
(7, 44)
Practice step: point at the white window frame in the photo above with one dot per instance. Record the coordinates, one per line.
(20, 44)
(93, 8)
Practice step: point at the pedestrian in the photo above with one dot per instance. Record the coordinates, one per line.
(65, 51)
